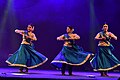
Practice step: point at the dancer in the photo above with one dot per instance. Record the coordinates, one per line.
(104, 60)
(71, 54)
(26, 57)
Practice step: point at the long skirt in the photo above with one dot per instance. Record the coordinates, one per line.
(74, 55)
(104, 60)
(26, 56)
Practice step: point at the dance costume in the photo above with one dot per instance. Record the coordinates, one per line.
(104, 60)
(26, 56)
(72, 55)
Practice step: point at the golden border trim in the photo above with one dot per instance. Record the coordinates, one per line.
(20, 65)
(71, 63)
(107, 68)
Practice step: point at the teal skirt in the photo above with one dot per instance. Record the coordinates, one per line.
(71, 55)
(104, 60)
(26, 56)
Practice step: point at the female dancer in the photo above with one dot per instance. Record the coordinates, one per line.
(104, 60)
(71, 54)
(26, 57)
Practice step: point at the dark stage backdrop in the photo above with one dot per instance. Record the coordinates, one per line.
(50, 18)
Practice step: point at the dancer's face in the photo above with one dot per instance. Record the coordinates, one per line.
(69, 30)
(30, 28)
(105, 28)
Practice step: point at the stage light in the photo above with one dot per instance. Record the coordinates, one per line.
(92, 25)
(8, 19)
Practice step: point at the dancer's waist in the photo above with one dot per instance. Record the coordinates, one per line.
(102, 43)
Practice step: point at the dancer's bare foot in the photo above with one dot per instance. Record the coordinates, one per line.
(21, 71)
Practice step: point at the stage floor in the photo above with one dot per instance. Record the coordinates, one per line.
(33, 74)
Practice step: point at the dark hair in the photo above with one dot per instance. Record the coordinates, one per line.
(70, 27)
(31, 25)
